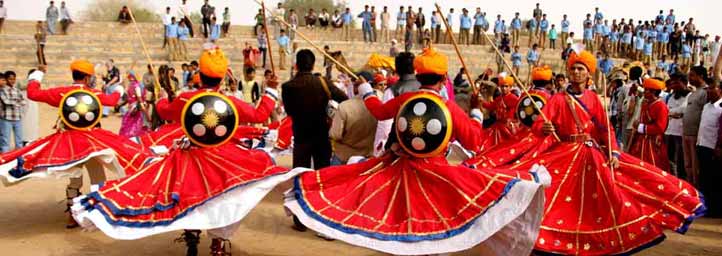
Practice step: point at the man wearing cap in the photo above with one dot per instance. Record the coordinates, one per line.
(82, 71)
(353, 127)
(213, 68)
(648, 141)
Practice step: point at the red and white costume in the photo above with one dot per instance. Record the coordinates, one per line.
(648, 142)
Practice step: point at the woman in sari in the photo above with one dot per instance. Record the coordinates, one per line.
(132, 124)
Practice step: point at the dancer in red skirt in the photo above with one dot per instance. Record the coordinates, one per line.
(411, 201)
(647, 142)
(78, 140)
(503, 108)
(600, 203)
(202, 183)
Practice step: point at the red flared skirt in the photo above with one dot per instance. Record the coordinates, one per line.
(651, 149)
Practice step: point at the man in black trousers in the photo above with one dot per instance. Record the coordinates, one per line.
(206, 11)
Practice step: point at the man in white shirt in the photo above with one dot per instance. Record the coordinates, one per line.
(167, 17)
(65, 19)
(51, 17)
(385, 25)
(677, 103)
(279, 12)
(708, 153)
(3, 15)
(184, 12)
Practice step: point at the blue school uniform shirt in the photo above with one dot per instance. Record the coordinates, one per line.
(183, 33)
(283, 41)
(465, 21)
(606, 65)
(598, 16)
(565, 26)
(661, 65)
(434, 22)
(171, 31)
(614, 36)
(498, 26)
(544, 25)
(648, 48)
(516, 59)
(346, 17)
(588, 33)
(627, 38)
(401, 18)
(639, 43)
(532, 56)
(670, 19)
(533, 24)
(478, 19)
(653, 35)
(663, 37)
(598, 29)
(366, 16)
(686, 51)
(450, 19)
(605, 30)
(516, 23)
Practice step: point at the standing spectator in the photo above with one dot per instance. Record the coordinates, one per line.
(226, 21)
(65, 19)
(639, 46)
(543, 28)
(29, 117)
(409, 34)
(183, 37)
(516, 59)
(478, 24)
(293, 21)
(374, 30)
(311, 18)
(515, 29)
(691, 120)
(709, 145)
(400, 23)
(51, 17)
(215, 30)
(537, 14)
(498, 28)
(565, 30)
(677, 103)
(124, 17)
(323, 19)
(184, 12)
(450, 20)
(353, 127)
(532, 57)
(206, 13)
(420, 24)
(715, 48)
(40, 40)
(171, 33)
(262, 44)
(278, 13)
(690, 28)
(553, 37)
(283, 44)
(167, 20)
(588, 36)
(3, 15)
(13, 103)
(305, 99)
(663, 42)
(533, 26)
(686, 55)
(385, 23)
(366, 25)
(464, 27)
(648, 51)
(347, 19)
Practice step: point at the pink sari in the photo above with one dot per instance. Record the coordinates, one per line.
(132, 123)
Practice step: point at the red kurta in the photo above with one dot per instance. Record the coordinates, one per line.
(506, 125)
(67, 149)
(394, 203)
(650, 146)
(591, 210)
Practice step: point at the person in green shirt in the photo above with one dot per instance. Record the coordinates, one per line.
(553, 37)
(259, 22)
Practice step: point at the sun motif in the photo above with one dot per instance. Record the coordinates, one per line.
(417, 126)
(210, 119)
(81, 108)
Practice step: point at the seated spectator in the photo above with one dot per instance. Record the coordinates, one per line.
(124, 15)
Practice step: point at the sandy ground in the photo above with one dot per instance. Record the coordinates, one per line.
(32, 223)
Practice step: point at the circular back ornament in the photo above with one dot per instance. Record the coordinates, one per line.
(209, 119)
(80, 109)
(526, 112)
(423, 125)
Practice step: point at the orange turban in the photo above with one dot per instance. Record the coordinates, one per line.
(505, 79)
(431, 62)
(83, 66)
(585, 58)
(213, 62)
(654, 84)
(541, 73)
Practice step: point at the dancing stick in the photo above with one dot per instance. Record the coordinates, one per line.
(347, 69)
(609, 125)
(450, 33)
(513, 74)
(268, 38)
(156, 88)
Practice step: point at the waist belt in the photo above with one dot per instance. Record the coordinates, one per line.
(579, 138)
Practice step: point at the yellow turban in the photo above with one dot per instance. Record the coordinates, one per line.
(83, 66)
(505, 79)
(585, 58)
(213, 62)
(654, 84)
(541, 73)
(431, 62)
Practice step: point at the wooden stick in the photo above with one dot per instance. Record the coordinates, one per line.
(514, 75)
(609, 124)
(156, 88)
(450, 33)
(347, 69)
(268, 38)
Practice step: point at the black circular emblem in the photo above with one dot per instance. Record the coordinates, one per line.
(209, 119)
(423, 125)
(526, 112)
(80, 109)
